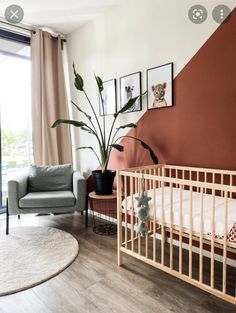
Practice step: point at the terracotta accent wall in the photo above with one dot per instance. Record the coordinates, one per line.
(200, 129)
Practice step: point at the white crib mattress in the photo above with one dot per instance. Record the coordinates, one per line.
(196, 210)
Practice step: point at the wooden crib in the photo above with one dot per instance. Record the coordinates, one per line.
(192, 225)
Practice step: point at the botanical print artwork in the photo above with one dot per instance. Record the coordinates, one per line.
(109, 98)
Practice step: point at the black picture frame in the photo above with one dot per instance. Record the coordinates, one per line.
(130, 87)
(110, 100)
(160, 86)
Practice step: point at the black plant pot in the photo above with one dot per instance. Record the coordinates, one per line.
(103, 181)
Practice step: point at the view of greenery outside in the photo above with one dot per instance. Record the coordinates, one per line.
(15, 148)
(15, 108)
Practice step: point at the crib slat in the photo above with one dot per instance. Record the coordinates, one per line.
(154, 220)
(139, 238)
(119, 220)
(181, 231)
(149, 181)
(139, 191)
(198, 189)
(222, 182)
(176, 175)
(162, 227)
(213, 240)
(201, 240)
(191, 234)
(140, 183)
(205, 180)
(126, 217)
(225, 241)
(146, 181)
(158, 173)
(146, 245)
(146, 235)
(135, 185)
(132, 212)
(231, 184)
(171, 225)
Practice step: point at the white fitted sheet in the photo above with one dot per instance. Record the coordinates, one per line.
(196, 210)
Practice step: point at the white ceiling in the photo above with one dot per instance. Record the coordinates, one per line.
(62, 16)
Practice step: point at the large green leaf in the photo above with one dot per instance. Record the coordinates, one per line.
(79, 83)
(117, 147)
(88, 130)
(129, 104)
(145, 146)
(80, 110)
(74, 69)
(91, 148)
(70, 122)
(85, 147)
(99, 83)
(130, 125)
(152, 154)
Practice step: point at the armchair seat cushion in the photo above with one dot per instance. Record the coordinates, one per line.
(47, 199)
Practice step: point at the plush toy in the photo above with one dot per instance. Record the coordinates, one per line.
(142, 212)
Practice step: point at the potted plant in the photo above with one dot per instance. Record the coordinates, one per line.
(107, 139)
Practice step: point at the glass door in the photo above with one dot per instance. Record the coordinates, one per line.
(15, 108)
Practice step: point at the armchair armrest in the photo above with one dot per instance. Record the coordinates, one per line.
(80, 190)
(17, 188)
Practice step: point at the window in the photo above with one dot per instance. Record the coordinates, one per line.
(15, 108)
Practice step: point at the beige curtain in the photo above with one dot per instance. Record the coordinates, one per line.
(49, 101)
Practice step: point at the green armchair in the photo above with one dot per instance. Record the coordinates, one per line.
(47, 189)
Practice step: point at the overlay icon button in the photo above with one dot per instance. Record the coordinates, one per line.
(14, 14)
(220, 13)
(197, 14)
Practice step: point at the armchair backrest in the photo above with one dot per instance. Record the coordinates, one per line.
(50, 178)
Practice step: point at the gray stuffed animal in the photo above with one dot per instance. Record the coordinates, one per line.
(143, 213)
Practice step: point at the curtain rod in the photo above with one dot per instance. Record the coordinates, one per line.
(29, 29)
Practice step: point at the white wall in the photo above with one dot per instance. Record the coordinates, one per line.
(135, 36)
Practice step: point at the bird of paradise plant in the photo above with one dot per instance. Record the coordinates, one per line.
(107, 139)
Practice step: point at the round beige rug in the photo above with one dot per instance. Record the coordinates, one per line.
(32, 255)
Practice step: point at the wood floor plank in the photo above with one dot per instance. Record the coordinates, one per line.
(60, 297)
(23, 302)
(95, 284)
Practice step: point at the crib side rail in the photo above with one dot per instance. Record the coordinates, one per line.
(179, 181)
(164, 244)
(199, 169)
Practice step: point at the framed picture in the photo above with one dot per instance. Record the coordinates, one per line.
(130, 87)
(160, 86)
(109, 98)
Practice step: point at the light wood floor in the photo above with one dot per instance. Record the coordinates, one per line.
(94, 282)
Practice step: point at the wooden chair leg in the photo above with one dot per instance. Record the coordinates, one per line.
(7, 218)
